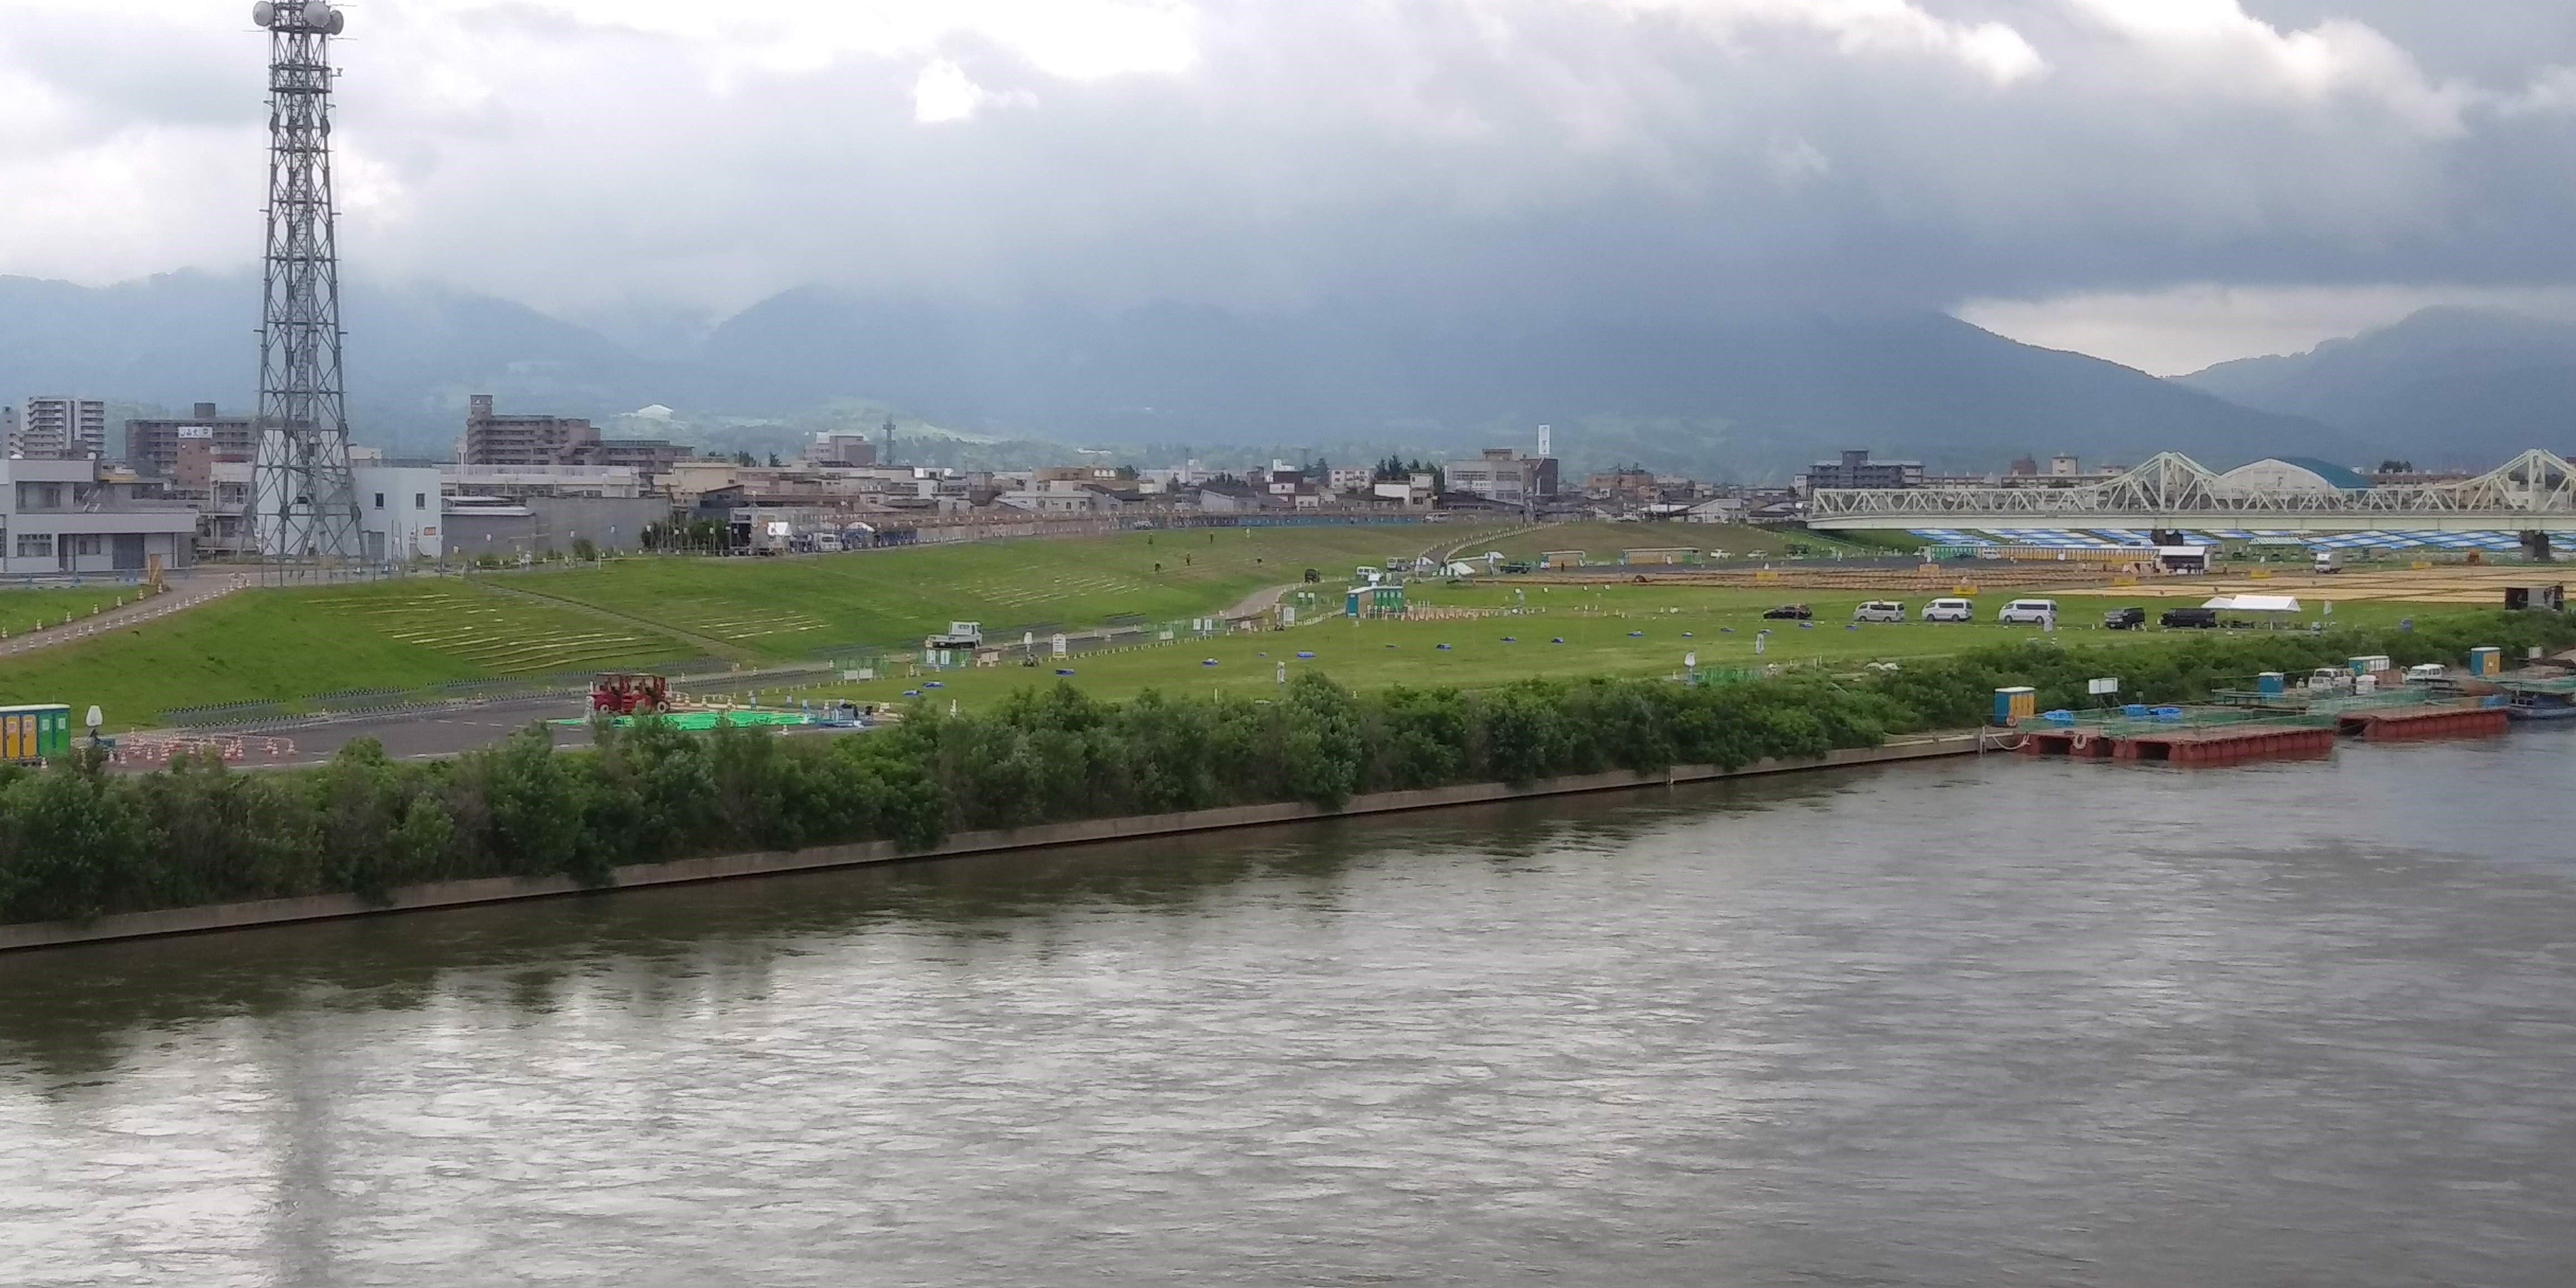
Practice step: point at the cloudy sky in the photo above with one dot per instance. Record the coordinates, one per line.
(2163, 182)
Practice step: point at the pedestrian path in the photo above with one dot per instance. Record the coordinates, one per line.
(183, 594)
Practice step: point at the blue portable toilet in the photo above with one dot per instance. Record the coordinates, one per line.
(2270, 684)
(2015, 704)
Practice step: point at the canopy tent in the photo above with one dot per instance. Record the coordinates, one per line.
(2254, 603)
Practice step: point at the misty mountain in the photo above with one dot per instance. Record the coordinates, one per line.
(1751, 399)
(413, 354)
(1755, 398)
(2445, 386)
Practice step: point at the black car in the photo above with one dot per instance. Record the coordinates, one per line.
(2195, 618)
(2125, 619)
(1788, 612)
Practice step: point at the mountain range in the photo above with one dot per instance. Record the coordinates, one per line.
(2447, 386)
(1749, 398)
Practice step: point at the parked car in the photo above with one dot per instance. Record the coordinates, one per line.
(2029, 612)
(1788, 612)
(2125, 619)
(2192, 618)
(1950, 610)
(1879, 610)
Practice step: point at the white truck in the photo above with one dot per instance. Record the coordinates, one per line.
(2328, 561)
(959, 635)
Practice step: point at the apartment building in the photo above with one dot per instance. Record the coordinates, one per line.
(57, 427)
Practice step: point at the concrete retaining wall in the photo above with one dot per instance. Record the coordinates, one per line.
(450, 894)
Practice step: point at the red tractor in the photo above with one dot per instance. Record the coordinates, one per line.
(630, 693)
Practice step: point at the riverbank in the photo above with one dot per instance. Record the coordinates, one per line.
(452, 894)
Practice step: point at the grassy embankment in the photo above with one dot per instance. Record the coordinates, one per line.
(787, 608)
(22, 610)
(286, 644)
(293, 644)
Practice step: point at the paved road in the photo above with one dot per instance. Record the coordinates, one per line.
(184, 594)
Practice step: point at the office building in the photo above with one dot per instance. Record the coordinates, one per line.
(153, 447)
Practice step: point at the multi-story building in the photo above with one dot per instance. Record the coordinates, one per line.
(78, 516)
(1503, 475)
(152, 447)
(495, 439)
(52, 426)
(841, 449)
(1856, 470)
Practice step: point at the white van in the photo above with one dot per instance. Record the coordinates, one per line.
(1950, 610)
(2029, 612)
(1879, 610)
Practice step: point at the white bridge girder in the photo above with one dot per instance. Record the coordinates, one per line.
(2533, 492)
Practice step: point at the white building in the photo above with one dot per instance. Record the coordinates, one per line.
(399, 512)
(71, 516)
(55, 426)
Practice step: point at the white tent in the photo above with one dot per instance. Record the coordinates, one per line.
(2255, 603)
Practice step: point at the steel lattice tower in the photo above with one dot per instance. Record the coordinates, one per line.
(303, 503)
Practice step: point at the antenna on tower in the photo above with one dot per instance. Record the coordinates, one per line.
(303, 502)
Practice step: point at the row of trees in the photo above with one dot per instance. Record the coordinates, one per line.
(77, 841)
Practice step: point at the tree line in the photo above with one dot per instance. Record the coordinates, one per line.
(78, 841)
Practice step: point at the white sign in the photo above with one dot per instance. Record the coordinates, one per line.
(1060, 649)
(1690, 659)
(1287, 614)
(2107, 684)
(195, 431)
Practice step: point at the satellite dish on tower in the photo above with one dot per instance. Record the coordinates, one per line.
(263, 13)
(339, 23)
(317, 14)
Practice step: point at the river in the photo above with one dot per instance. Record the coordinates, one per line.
(1966, 1022)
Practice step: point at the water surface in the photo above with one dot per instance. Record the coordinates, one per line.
(1968, 1022)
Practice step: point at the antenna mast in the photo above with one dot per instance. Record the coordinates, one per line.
(303, 502)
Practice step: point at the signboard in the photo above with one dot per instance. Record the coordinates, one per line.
(195, 431)
(2106, 685)
(1060, 647)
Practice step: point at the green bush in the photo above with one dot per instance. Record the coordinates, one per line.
(77, 842)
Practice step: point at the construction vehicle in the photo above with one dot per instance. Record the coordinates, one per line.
(630, 693)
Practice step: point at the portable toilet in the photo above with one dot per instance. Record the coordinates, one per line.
(2015, 704)
(2486, 660)
(35, 732)
(2369, 664)
(1351, 603)
(2270, 684)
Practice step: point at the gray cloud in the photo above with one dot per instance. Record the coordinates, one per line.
(1581, 158)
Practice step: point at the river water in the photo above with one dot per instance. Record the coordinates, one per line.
(1965, 1022)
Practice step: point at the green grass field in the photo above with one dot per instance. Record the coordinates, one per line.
(293, 644)
(1616, 630)
(287, 644)
(1601, 542)
(787, 608)
(21, 610)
